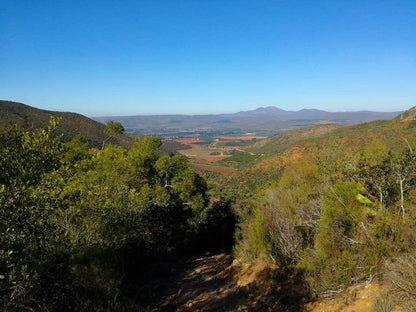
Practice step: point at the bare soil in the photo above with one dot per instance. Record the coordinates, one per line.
(216, 282)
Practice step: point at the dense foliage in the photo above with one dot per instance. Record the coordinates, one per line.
(78, 225)
(81, 228)
(341, 213)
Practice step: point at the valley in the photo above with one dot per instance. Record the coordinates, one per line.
(208, 156)
(320, 218)
(222, 154)
(263, 121)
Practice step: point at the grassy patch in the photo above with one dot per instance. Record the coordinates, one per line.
(236, 143)
(240, 157)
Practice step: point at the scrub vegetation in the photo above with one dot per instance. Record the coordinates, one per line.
(80, 227)
(87, 227)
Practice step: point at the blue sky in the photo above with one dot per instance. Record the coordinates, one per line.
(195, 57)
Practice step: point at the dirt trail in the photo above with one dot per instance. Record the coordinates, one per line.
(217, 282)
(211, 283)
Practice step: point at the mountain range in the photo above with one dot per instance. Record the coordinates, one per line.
(263, 120)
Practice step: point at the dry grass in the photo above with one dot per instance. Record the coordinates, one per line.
(400, 277)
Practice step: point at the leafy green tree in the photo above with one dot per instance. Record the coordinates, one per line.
(191, 189)
(78, 225)
(389, 177)
(142, 157)
(112, 129)
(169, 166)
(28, 235)
(377, 178)
(76, 150)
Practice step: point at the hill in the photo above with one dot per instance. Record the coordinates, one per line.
(334, 206)
(394, 134)
(70, 125)
(409, 115)
(281, 141)
(327, 144)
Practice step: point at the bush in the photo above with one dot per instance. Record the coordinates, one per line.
(400, 277)
(284, 217)
(77, 223)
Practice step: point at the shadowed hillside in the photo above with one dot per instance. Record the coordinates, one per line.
(72, 124)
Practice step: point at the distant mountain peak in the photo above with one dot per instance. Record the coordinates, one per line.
(268, 109)
(304, 110)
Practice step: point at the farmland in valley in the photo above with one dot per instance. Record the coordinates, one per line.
(222, 154)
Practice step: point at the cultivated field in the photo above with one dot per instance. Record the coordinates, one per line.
(211, 154)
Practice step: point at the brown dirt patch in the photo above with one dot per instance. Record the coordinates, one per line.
(325, 122)
(217, 283)
(242, 138)
(214, 168)
(193, 147)
(355, 299)
(188, 141)
(201, 158)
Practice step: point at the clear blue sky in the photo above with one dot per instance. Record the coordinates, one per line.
(207, 56)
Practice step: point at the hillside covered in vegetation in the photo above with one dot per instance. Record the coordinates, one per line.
(324, 208)
(80, 227)
(338, 208)
(72, 124)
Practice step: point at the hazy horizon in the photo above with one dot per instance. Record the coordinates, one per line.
(255, 108)
(105, 58)
(220, 113)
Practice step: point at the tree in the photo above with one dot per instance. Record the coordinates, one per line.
(112, 129)
(30, 162)
(376, 177)
(168, 166)
(403, 170)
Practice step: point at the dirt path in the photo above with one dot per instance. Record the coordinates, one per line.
(214, 282)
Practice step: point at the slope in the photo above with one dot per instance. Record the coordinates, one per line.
(281, 141)
(328, 145)
(71, 124)
(335, 144)
(407, 116)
